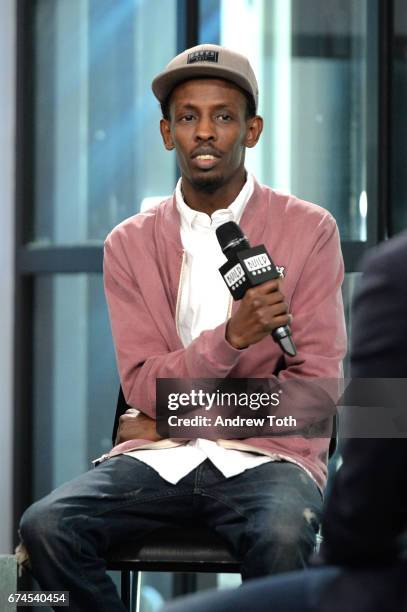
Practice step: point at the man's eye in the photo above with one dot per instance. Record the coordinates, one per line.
(224, 117)
(187, 118)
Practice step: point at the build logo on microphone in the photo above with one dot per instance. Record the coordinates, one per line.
(258, 263)
(235, 275)
(261, 263)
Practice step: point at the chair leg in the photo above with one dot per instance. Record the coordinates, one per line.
(125, 588)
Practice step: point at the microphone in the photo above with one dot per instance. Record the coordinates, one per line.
(248, 267)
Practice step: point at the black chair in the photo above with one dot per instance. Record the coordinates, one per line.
(193, 549)
(179, 550)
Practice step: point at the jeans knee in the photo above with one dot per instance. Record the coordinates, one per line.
(37, 522)
(290, 535)
(289, 531)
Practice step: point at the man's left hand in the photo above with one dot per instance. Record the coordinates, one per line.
(134, 425)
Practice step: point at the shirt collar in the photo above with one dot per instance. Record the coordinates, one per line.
(191, 218)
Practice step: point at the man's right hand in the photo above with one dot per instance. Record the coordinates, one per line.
(134, 425)
(261, 310)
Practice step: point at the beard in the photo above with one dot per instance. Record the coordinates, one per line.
(207, 184)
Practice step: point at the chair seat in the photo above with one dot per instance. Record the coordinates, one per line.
(175, 550)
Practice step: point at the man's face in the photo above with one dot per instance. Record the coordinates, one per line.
(209, 130)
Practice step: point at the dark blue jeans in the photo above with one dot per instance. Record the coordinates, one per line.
(269, 514)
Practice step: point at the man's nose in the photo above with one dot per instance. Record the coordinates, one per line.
(205, 129)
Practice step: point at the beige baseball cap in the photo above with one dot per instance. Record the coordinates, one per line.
(206, 61)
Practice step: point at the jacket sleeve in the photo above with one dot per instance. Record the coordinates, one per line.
(142, 349)
(312, 379)
(318, 318)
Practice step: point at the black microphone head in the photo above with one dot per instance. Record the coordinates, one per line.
(231, 238)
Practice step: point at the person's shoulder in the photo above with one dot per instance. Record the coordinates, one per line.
(297, 210)
(389, 256)
(139, 226)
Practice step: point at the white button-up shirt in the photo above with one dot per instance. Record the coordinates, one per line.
(198, 311)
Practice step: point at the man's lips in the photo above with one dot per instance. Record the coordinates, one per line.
(205, 162)
(206, 156)
(205, 153)
(205, 159)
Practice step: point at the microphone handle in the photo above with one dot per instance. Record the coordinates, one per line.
(282, 335)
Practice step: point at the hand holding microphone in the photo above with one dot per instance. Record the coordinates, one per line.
(251, 276)
(261, 311)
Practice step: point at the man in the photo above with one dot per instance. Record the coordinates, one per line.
(172, 317)
(366, 513)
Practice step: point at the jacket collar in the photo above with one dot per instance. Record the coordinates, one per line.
(252, 221)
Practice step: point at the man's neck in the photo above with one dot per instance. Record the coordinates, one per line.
(209, 202)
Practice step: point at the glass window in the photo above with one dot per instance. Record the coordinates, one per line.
(97, 145)
(310, 60)
(349, 289)
(75, 378)
(399, 131)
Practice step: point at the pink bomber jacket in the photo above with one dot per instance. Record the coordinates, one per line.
(142, 275)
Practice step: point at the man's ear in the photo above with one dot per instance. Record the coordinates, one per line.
(166, 134)
(254, 127)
